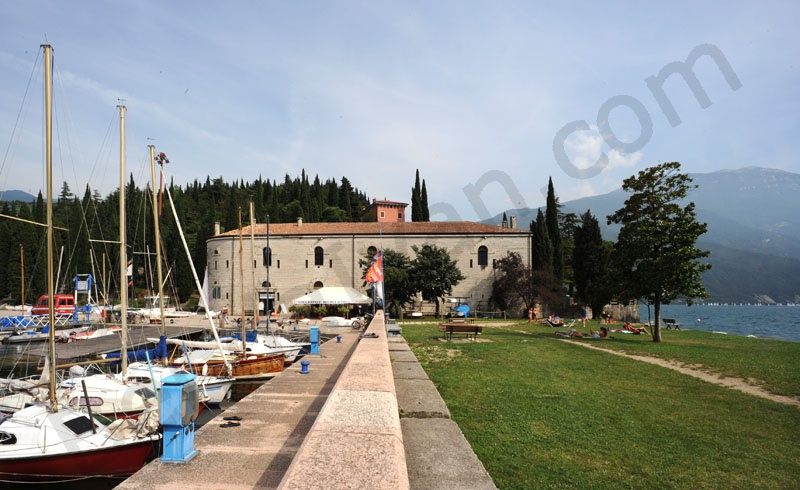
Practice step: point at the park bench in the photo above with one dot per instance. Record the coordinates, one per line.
(670, 323)
(461, 328)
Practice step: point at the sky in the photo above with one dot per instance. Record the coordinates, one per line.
(488, 100)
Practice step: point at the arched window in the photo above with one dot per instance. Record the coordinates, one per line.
(483, 255)
(318, 284)
(371, 251)
(319, 256)
(267, 256)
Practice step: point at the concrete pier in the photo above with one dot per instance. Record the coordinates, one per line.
(365, 416)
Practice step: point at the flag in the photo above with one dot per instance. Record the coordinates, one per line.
(375, 271)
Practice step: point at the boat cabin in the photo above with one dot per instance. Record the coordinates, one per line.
(64, 305)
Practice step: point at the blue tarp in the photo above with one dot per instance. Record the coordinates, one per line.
(159, 352)
(463, 310)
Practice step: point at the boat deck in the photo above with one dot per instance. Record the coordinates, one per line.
(88, 348)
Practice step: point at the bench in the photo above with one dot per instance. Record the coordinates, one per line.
(461, 328)
(670, 323)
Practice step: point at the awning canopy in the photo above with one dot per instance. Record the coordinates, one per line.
(330, 295)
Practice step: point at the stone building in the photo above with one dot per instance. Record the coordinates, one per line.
(288, 260)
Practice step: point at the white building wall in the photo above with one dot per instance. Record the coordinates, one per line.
(293, 272)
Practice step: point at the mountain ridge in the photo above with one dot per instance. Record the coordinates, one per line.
(753, 230)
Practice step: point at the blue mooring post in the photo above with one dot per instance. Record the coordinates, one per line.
(179, 408)
(338, 339)
(304, 367)
(314, 337)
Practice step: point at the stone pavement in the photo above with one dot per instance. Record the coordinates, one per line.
(278, 417)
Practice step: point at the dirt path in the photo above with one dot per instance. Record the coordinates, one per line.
(728, 382)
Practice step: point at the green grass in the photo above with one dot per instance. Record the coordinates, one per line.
(543, 413)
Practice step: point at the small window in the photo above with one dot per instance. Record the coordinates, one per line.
(227, 264)
(278, 262)
(318, 285)
(483, 256)
(266, 253)
(330, 263)
(216, 251)
(470, 263)
(399, 215)
(216, 266)
(371, 251)
(319, 256)
(383, 214)
(306, 263)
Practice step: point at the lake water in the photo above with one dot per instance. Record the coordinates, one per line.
(765, 321)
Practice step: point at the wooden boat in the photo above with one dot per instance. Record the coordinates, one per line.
(242, 367)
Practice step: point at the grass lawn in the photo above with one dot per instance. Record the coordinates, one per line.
(543, 413)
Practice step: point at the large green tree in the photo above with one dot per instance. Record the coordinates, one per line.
(656, 255)
(590, 258)
(433, 273)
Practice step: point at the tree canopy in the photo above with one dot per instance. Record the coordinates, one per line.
(655, 256)
(433, 273)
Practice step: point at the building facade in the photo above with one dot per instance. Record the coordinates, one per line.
(287, 260)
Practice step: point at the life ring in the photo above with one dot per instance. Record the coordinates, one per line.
(7, 439)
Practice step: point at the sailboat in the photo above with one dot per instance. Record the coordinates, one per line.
(241, 365)
(213, 388)
(48, 442)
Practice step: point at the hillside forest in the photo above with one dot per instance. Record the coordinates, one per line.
(87, 227)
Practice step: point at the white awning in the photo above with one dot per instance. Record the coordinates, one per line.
(333, 296)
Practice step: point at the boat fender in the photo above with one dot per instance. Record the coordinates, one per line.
(7, 439)
(205, 370)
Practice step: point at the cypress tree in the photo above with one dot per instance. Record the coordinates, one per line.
(426, 214)
(551, 218)
(416, 200)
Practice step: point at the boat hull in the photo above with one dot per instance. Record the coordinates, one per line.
(114, 461)
(249, 368)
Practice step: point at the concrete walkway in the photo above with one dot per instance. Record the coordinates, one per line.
(278, 417)
(275, 419)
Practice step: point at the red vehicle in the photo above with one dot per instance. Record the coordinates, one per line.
(64, 305)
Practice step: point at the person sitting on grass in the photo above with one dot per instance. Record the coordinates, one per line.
(635, 330)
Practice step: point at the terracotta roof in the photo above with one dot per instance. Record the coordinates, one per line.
(372, 228)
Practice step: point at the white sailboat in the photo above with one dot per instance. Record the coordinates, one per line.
(48, 442)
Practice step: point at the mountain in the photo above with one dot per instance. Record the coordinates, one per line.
(16, 196)
(753, 231)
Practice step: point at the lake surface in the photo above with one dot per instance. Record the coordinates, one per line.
(765, 321)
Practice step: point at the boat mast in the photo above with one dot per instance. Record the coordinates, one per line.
(162, 158)
(48, 124)
(123, 255)
(241, 284)
(22, 275)
(253, 267)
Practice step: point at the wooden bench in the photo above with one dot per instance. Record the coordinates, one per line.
(670, 323)
(461, 328)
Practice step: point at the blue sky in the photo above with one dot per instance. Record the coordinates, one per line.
(469, 93)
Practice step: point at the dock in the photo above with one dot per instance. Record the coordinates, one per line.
(365, 415)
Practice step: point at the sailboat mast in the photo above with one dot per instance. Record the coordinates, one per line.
(22, 275)
(123, 254)
(159, 272)
(241, 283)
(48, 124)
(253, 266)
